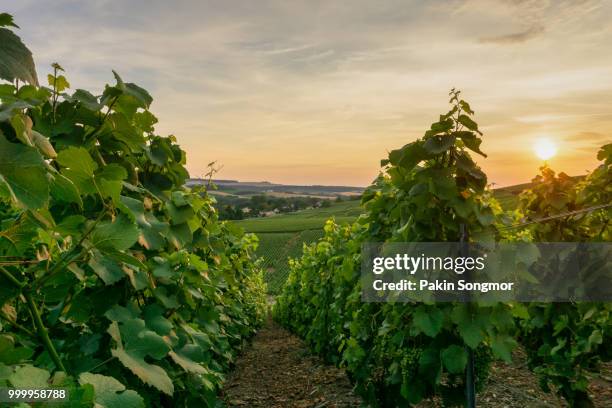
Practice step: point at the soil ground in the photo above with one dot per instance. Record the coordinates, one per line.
(277, 371)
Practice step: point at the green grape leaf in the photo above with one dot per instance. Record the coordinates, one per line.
(151, 229)
(502, 346)
(469, 325)
(439, 144)
(430, 365)
(86, 99)
(409, 156)
(428, 320)
(16, 60)
(118, 235)
(22, 168)
(154, 318)
(179, 235)
(29, 377)
(140, 94)
(108, 270)
(124, 131)
(121, 314)
(6, 20)
(187, 364)
(79, 167)
(59, 83)
(110, 393)
(443, 126)
(9, 354)
(454, 358)
(138, 278)
(134, 342)
(63, 189)
(150, 374)
(8, 110)
(466, 107)
(471, 141)
(469, 123)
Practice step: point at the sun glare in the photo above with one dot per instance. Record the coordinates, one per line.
(545, 149)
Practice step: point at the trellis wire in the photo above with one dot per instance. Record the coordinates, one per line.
(553, 217)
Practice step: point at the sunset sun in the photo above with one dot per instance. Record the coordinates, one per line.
(545, 149)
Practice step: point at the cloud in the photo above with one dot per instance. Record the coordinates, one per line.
(294, 91)
(515, 38)
(589, 137)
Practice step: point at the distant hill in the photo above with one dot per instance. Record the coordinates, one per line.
(249, 188)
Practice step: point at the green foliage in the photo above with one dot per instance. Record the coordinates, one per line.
(116, 282)
(398, 354)
(564, 341)
(16, 62)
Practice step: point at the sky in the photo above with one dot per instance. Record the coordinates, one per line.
(317, 92)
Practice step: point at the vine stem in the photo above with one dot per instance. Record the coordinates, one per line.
(11, 278)
(16, 325)
(42, 332)
(101, 364)
(96, 130)
(66, 259)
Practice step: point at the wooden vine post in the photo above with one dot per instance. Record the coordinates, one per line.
(470, 380)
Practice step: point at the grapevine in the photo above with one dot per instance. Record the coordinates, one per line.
(116, 282)
(566, 341)
(427, 189)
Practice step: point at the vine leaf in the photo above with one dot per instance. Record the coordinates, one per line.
(454, 358)
(22, 169)
(439, 144)
(29, 377)
(6, 20)
(151, 229)
(469, 123)
(429, 365)
(150, 374)
(502, 346)
(16, 60)
(108, 270)
(469, 326)
(471, 141)
(63, 189)
(187, 364)
(119, 235)
(110, 393)
(134, 343)
(428, 321)
(9, 354)
(155, 319)
(79, 167)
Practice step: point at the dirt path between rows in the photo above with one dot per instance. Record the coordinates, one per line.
(277, 371)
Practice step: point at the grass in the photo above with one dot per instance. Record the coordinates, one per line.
(311, 219)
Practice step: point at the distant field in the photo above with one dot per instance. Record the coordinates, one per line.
(315, 218)
(508, 197)
(276, 248)
(282, 236)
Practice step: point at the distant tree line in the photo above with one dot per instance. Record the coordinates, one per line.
(264, 205)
